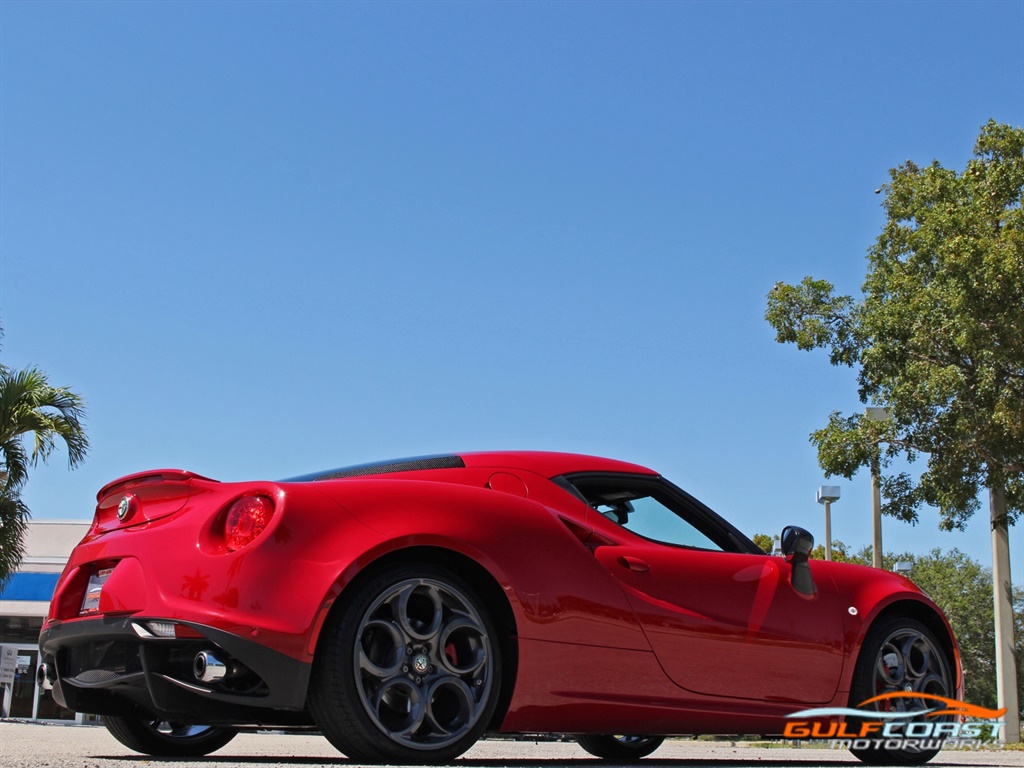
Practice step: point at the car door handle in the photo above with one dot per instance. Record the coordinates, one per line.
(633, 563)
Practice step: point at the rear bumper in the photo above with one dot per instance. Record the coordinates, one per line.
(115, 665)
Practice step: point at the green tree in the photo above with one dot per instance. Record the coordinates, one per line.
(841, 553)
(938, 343)
(937, 336)
(31, 408)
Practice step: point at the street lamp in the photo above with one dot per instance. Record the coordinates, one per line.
(876, 414)
(826, 495)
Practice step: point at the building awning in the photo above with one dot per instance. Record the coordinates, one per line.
(30, 586)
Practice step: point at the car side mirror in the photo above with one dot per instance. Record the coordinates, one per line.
(797, 544)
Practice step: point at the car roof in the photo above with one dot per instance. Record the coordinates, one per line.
(544, 463)
(550, 464)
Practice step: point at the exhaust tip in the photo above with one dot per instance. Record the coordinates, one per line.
(207, 668)
(43, 679)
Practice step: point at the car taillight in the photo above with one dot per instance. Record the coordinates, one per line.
(246, 520)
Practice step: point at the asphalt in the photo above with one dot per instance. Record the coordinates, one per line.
(40, 745)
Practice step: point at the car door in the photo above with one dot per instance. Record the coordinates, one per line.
(722, 620)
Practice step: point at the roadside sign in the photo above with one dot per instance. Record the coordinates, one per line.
(8, 664)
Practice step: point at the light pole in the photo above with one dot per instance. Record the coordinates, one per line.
(876, 414)
(826, 495)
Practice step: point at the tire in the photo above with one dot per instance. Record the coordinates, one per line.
(166, 739)
(408, 670)
(620, 747)
(900, 654)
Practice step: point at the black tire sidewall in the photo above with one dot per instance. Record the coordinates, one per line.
(139, 735)
(861, 687)
(608, 747)
(334, 699)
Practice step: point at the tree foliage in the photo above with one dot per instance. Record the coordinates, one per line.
(32, 409)
(937, 336)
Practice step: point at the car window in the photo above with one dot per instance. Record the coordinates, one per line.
(653, 520)
(648, 509)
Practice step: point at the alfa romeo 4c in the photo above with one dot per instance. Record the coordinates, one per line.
(407, 608)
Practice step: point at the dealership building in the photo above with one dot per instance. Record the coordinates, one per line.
(23, 605)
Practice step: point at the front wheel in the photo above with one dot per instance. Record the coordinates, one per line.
(901, 656)
(408, 670)
(162, 738)
(611, 747)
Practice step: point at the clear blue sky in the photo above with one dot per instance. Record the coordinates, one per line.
(268, 238)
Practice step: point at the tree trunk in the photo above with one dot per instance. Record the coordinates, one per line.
(1006, 667)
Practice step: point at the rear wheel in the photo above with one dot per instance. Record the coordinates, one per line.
(901, 655)
(162, 738)
(409, 671)
(612, 747)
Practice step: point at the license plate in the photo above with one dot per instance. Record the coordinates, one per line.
(91, 601)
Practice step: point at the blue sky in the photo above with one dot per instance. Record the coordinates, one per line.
(268, 238)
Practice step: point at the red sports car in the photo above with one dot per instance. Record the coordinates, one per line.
(406, 608)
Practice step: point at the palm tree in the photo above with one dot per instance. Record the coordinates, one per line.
(29, 406)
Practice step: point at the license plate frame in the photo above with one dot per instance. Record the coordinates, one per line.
(93, 591)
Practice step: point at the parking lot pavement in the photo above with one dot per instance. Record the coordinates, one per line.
(37, 745)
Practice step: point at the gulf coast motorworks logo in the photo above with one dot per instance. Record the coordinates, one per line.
(890, 723)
